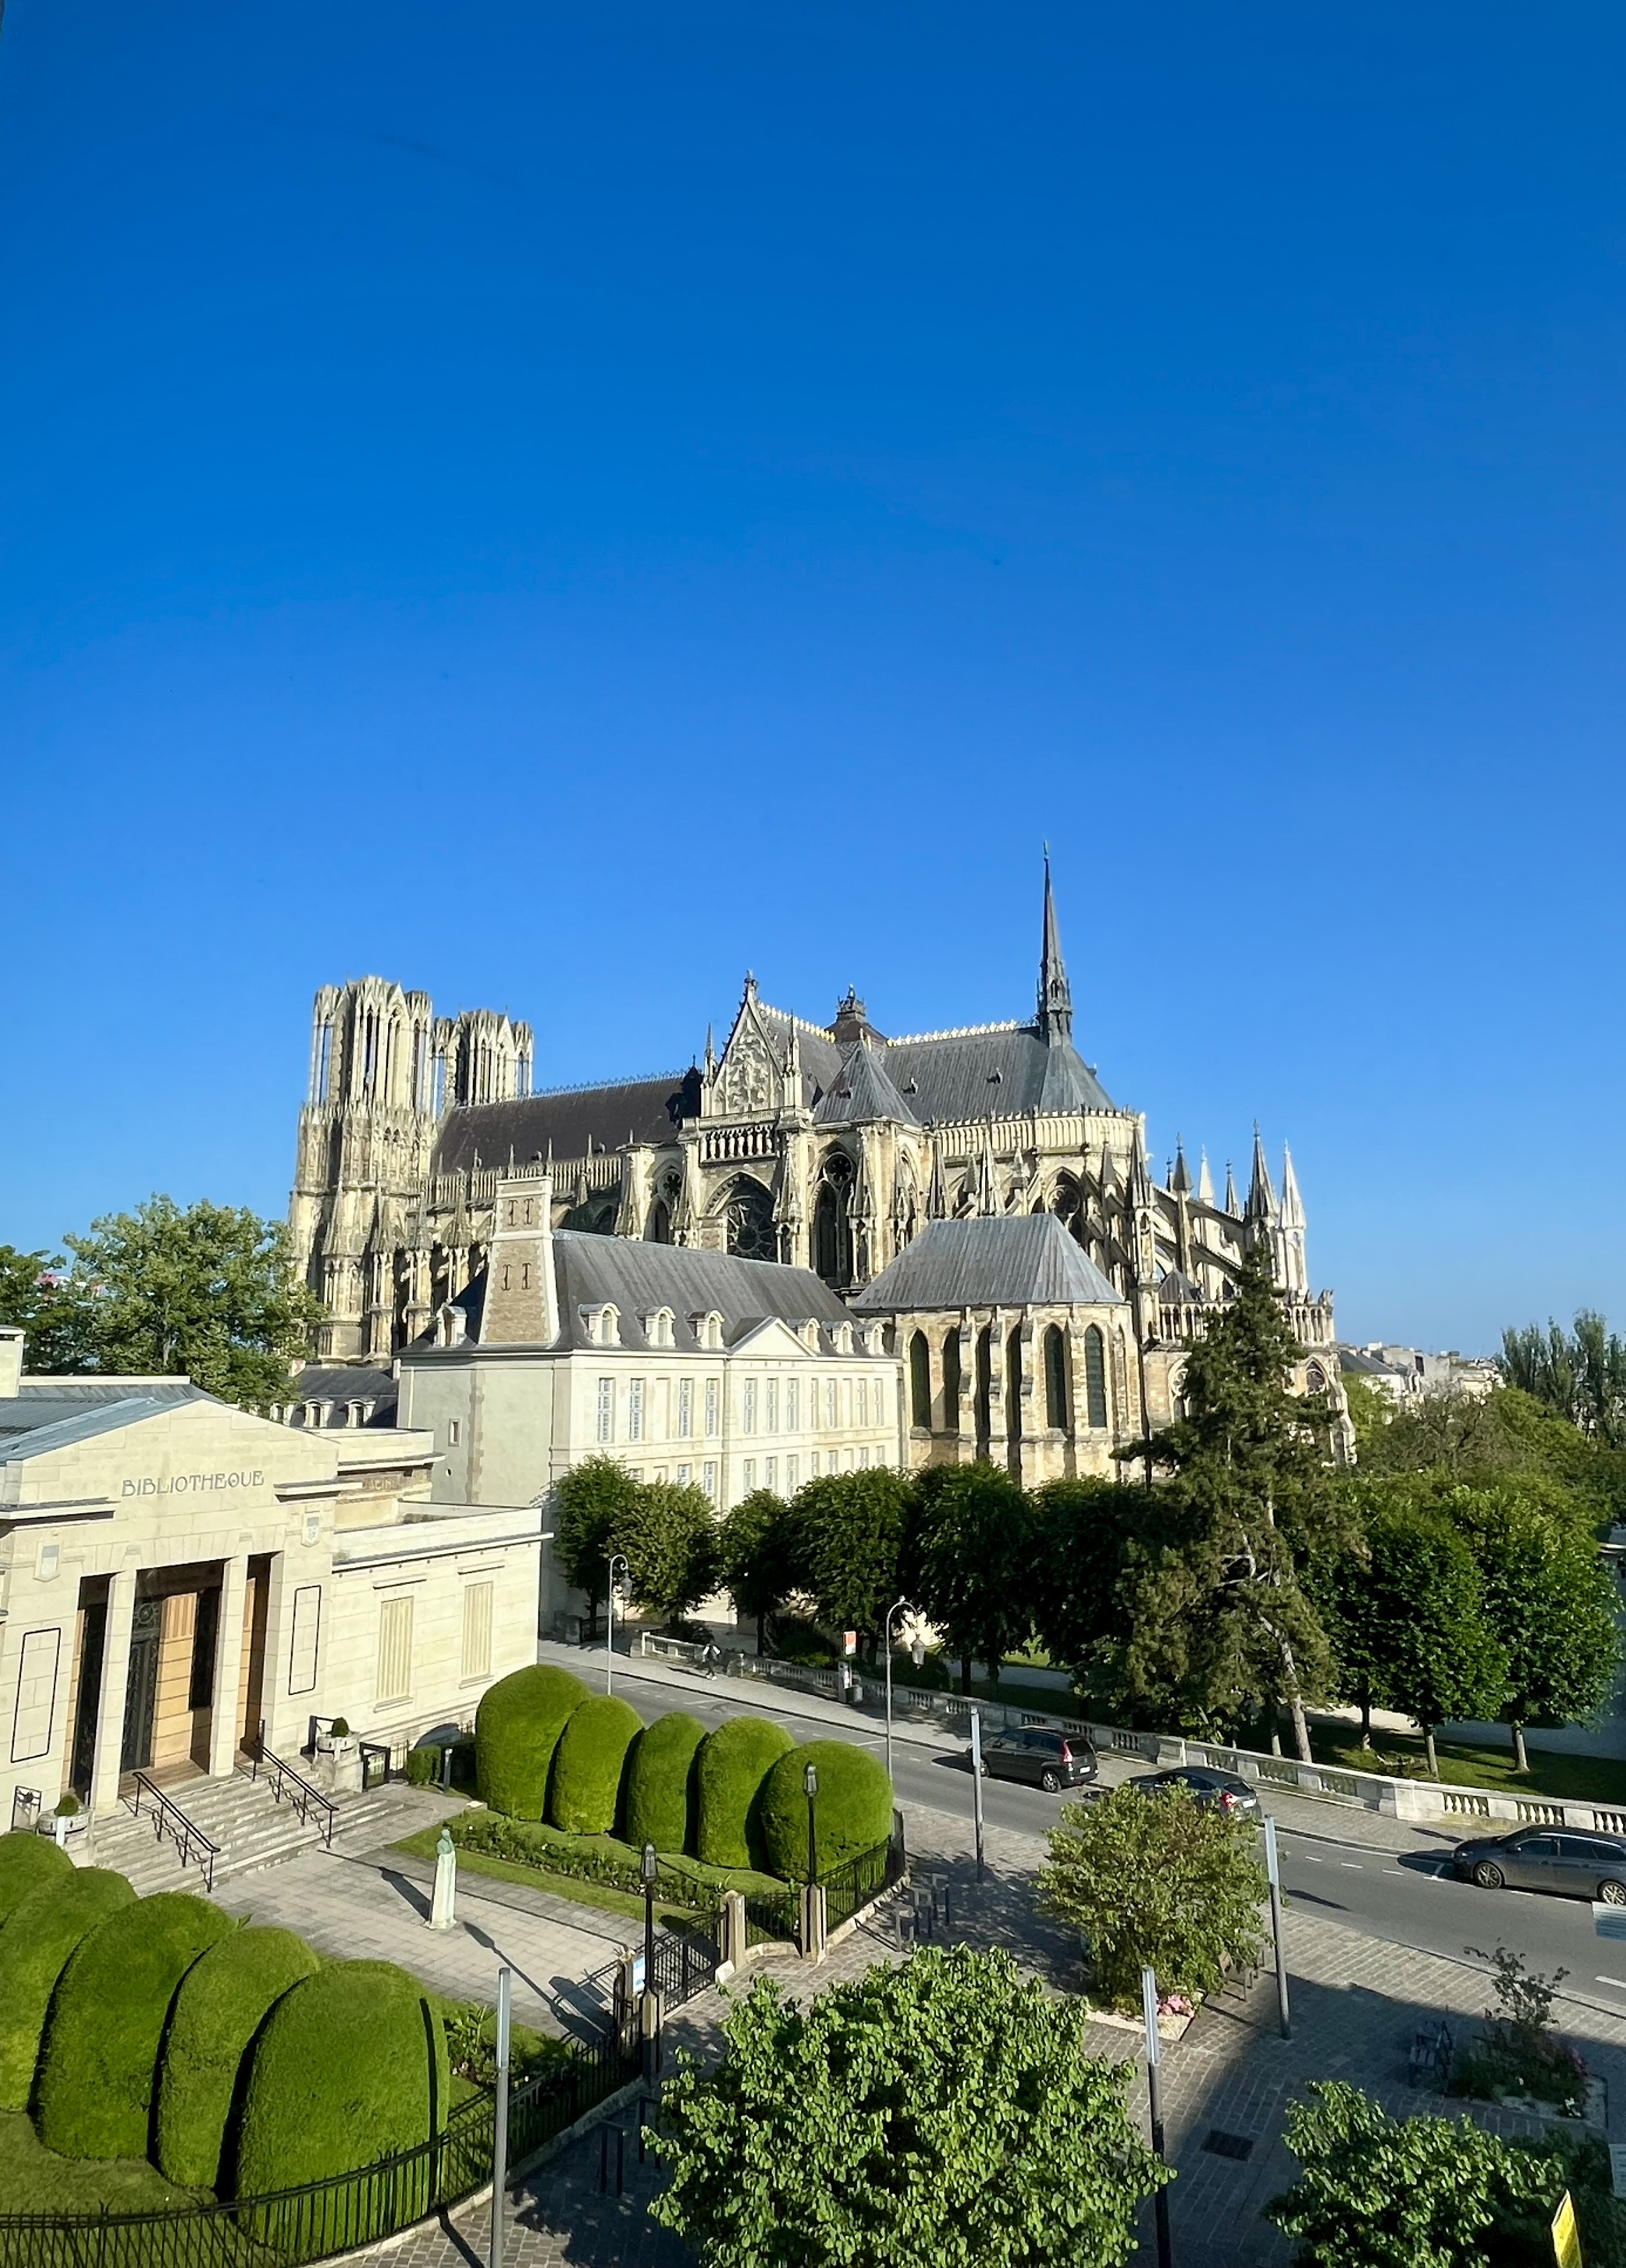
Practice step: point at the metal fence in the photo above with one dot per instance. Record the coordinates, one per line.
(293, 2227)
(685, 1964)
(849, 1889)
(772, 1916)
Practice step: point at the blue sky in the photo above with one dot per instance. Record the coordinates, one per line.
(560, 507)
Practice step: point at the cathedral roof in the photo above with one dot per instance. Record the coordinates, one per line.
(1012, 1260)
(574, 1122)
(997, 1071)
(861, 1091)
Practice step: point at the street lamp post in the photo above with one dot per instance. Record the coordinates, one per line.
(1273, 1875)
(915, 1652)
(1154, 2103)
(810, 1783)
(651, 2010)
(499, 2136)
(619, 1559)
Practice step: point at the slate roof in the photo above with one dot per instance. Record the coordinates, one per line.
(639, 1277)
(651, 1110)
(862, 1092)
(42, 1404)
(343, 1382)
(82, 1424)
(1011, 1260)
(1005, 1069)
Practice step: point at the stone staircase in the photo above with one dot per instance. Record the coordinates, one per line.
(240, 1814)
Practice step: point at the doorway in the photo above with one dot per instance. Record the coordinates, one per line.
(141, 1687)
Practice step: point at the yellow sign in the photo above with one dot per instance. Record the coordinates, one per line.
(1566, 2237)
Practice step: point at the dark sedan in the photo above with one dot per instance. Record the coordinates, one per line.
(1215, 1791)
(1051, 1761)
(1559, 1860)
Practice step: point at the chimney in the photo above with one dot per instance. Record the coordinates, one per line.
(11, 1362)
(522, 1301)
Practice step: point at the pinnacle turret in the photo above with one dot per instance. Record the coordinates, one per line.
(1055, 999)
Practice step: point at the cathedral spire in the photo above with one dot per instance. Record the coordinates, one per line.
(1232, 1205)
(1205, 1182)
(1055, 999)
(1260, 1192)
(1292, 1203)
(1180, 1181)
(937, 1195)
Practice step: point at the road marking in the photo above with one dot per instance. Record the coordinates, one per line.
(1354, 1865)
(1619, 1983)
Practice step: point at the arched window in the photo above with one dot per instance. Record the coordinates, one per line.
(832, 1225)
(749, 1214)
(1095, 1377)
(659, 1230)
(1013, 1386)
(1055, 1379)
(951, 1382)
(919, 1382)
(984, 1382)
(1316, 1378)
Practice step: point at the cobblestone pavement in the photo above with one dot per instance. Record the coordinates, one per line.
(1356, 2003)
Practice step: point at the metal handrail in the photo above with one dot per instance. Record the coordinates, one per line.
(189, 1838)
(285, 1780)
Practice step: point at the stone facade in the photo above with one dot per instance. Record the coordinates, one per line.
(827, 1147)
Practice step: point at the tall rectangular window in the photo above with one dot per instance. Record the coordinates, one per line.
(708, 1481)
(772, 1417)
(792, 1404)
(711, 1405)
(394, 1650)
(683, 1475)
(748, 1406)
(791, 1466)
(635, 1410)
(686, 1409)
(770, 1472)
(476, 1630)
(829, 1404)
(812, 1464)
(863, 1402)
(748, 1474)
(607, 1408)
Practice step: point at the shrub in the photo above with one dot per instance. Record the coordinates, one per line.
(583, 1790)
(224, 1999)
(1155, 1880)
(28, 1861)
(661, 1783)
(852, 1812)
(35, 1945)
(99, 2063)
(350, 2067)
(517, 1729)
(729, 1773)
(586, 1858)
(425, 1764)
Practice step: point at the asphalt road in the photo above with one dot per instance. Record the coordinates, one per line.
(1409, 1899)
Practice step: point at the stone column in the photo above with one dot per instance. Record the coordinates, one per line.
(115, 1670)
(228, 1643)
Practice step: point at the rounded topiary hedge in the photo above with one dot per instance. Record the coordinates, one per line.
(36, 1944)
(98, 2066)
(584, 1789)
(660, 1784)
(729, 1772)
(516, 1729)
(26, 1861)
(852, 1812)
(349, 2067)
(224, 1999)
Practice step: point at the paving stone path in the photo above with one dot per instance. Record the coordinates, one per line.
(1356, 2002)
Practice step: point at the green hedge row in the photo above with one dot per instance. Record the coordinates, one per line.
(159, 2026)
(549, 1751)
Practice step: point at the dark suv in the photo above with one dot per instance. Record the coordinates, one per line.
(1556, 1858)
(1051, 1761)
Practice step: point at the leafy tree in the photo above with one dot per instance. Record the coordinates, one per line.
(212, 1292)
(1081, 1531)
(756, 1557)
(1413, 1631)
(1579, 1376)
(1460, 1439)
(970, 1563)
(942, 2111)
(1155, 1880)
(1217, 1620)
(1549, 1602)
(849, 1532)
(669, 1536)
(591, 1502)
(36, 1297)
(1380, 2192)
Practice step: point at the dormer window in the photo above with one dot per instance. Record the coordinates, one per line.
(602, 1324)
(658, 1327)
(874, 1337)
(707, 1329)
(841, 1338)
(808, 1334)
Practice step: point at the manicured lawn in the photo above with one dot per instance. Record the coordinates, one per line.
(1582, 1779)
(603, 1895)
(33, 2179)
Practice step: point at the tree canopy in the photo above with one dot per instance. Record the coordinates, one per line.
(669, 1536)
(756, 1557)
(590, 1502)
(971, 1561)
(943, 2110)
(35, 1297)
(849, 1531)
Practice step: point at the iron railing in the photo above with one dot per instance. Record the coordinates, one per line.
(773, 1916)
(293, 2227)
(169, 1819)
(375, 1765)
(849, 1887)
(685, 1964)
(284, 1780)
